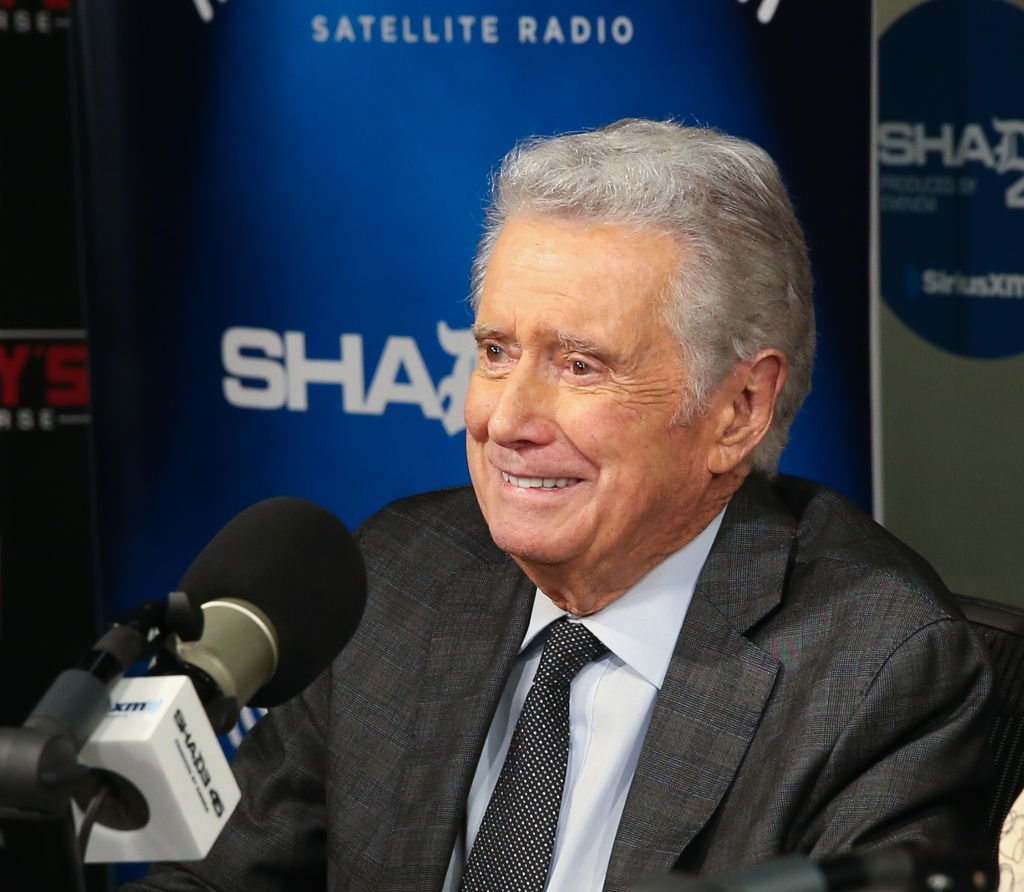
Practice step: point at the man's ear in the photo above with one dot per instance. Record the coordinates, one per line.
(744, 407)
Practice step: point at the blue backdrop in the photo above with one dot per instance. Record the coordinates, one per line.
(285, 199)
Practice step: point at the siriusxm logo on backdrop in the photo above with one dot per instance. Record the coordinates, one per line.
(914, 144)
(265, 369)
(943, 283)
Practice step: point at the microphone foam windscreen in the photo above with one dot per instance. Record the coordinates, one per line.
(300, 565)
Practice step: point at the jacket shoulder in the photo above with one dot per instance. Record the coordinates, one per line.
(837, 542)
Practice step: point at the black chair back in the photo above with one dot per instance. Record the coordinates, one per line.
(1001, 626)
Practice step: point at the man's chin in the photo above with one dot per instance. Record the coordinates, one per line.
(532, 548)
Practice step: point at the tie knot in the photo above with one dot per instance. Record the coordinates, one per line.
(570, 646)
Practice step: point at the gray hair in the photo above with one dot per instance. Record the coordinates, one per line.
(745, 281)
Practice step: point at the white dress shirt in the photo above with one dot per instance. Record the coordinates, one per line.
(610, 706)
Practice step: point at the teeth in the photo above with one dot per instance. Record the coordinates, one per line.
(539, 482)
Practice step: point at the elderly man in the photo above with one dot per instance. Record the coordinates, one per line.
(630, 647)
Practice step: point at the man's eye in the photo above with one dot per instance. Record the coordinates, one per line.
(493, 354)
(579, 367)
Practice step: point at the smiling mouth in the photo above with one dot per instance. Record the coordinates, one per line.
(540, 482)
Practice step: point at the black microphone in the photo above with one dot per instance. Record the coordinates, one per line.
(906, 867)
(282, 589)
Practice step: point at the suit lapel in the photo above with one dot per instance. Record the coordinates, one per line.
(714, 694)
(473, 645)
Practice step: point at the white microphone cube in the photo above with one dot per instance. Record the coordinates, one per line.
(157, 736)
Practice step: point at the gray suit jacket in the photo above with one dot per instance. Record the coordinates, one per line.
(823, 695)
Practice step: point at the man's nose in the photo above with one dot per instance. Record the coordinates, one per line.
(524, 409)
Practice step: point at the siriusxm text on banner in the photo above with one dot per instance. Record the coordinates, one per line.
(949, 334)
(951, 175)
(265, 369)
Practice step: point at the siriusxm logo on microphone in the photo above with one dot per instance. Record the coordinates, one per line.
(267, 370)
(132, 707)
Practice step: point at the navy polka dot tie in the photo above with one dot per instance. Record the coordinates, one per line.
(512, 851)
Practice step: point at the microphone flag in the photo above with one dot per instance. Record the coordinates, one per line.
(174, 789)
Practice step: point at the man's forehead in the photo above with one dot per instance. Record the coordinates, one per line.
(574, 324)
(556, 255)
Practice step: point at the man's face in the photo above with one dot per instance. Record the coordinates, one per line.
(577, 465)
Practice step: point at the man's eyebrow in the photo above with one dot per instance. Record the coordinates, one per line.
(569, 343)
(484, 331)
(605, 353)
(577, 344)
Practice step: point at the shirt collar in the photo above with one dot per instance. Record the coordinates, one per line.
(641, 626)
